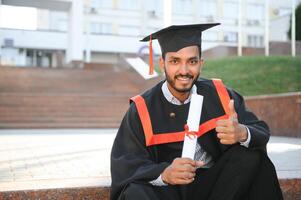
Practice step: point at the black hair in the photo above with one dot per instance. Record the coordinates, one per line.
(200, 52)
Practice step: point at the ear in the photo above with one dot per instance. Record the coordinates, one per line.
(161, 64)
(201, 63)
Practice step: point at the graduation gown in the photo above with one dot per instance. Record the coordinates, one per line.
(135, 160)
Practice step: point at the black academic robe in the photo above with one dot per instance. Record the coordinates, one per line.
(134, 162)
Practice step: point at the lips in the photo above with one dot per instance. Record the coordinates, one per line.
(183, 78)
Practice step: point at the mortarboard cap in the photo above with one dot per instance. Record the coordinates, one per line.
(176, 37)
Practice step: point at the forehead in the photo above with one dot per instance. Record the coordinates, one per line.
(186, 52)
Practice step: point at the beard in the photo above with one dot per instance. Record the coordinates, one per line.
(181, 89)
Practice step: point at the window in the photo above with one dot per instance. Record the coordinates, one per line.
(62, 25)
(129, 4)
(255, 40)
(58, 21)
(101, 4)
(155, 6)
(210, 36)
(208, 8)
(230, 37)
(129, 30)
(230, 10)
(255, 12)
(182, 6)
(283, 11)
(100, 28)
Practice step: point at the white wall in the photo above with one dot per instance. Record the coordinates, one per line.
(13, 56)
(58, 40)
(280, 24)
(35, 39)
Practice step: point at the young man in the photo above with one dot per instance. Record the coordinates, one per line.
(230, 160)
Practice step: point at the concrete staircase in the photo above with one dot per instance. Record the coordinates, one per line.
(66, 98)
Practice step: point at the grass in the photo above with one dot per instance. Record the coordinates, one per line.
(257, 75)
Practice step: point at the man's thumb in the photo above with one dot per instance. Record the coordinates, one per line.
(232, 109)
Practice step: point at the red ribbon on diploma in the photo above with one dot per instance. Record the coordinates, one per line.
(191, 134)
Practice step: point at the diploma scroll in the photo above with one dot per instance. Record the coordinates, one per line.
(193, 122)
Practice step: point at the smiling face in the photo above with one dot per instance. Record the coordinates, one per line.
(182, 69)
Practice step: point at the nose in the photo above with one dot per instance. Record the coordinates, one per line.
(183, 69)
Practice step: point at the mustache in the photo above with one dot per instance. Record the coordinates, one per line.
(184, 76)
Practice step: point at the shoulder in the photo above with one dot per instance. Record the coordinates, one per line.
(148, 96)
(208, 85)
(204, 83)
(152, 92)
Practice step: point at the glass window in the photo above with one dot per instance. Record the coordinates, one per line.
(230, 37)
(101, 4)
(155, 5)
(255, 40)
(208, 8)
(283, 11)
(129, 30)
(129, 4)
(255, 11)
(58, 21)
(62, 25)
(210, 36)
(230, 10)
(100, 28)
(182, 6)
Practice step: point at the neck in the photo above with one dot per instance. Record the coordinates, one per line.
(181, 96)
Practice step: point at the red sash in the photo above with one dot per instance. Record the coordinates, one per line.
(161, 138)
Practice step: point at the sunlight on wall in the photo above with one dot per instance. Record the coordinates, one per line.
(18, 17)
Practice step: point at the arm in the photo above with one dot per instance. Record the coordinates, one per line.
(241, 120)
(180, 172)
(259, 130)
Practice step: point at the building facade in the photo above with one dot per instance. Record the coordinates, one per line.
(111, 29)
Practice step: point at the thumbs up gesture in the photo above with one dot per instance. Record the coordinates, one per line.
(229, 131)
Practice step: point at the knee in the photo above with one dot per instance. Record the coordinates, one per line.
(137, 191)
(249, 159)
(131, 190)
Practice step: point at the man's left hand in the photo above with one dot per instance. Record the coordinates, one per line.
(229, 131)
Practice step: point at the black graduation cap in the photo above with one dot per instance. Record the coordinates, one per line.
(176, 37)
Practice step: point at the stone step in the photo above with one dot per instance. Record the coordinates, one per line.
(74, 102)
(291, 189)
(87, 94)
(56, 125)
(61, 119)
(66, 108)
(80, 114)
(66, 98)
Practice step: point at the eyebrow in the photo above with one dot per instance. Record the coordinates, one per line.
(174, 57)
(192, 58)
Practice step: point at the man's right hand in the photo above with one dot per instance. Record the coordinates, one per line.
(181, 171)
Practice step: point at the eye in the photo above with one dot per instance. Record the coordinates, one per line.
(173, 61)
(193, 62)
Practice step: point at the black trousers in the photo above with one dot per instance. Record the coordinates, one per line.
(240, 174)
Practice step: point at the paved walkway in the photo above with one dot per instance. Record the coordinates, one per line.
(40, 159)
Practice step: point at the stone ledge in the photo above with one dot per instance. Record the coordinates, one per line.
(83, 193)
(291, 189)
